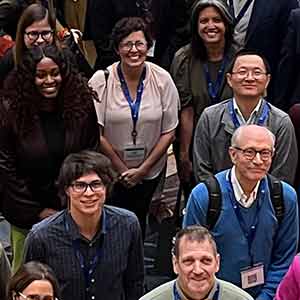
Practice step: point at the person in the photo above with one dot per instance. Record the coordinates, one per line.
(138, 114)
(262, 26)
(199, 72)
(95, 250)
(5, 272)
(256, 244)
(196, 262)
(248, 76)
(33, 280)
(47, 112)
(289, 288)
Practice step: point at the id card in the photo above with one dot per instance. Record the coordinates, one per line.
(134, 155)
(253, 276)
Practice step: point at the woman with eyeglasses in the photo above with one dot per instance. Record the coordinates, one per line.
(199, 70)
(46, 112)
(137, 114)
(33, 281)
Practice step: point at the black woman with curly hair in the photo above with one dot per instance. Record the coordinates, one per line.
(46, 112)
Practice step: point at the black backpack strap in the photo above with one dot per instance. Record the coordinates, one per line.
(214, 201)
(106, 74)
(275, 188)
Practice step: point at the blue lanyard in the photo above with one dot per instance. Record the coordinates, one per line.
(213, 88)
(176, 295)
(87, 269)
(261, 120)
(134, 106)
(249, 235)
(242, 12)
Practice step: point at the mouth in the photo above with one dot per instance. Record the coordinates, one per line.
(50, 89)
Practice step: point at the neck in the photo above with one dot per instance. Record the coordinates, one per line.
(202, 296)
(87, 225)
(132, 74)
(215, 52)
(247, 105)
(246, 185)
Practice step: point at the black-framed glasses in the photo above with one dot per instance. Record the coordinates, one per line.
(81, 186)
(256, 74)
(37, 297)
(139, 45)
(250, 153)
(45, 34)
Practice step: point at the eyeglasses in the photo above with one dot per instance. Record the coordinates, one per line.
(250, 153)
(34, 35)
(256, 74)
(37, 297)
(81, 186)
(139, 45)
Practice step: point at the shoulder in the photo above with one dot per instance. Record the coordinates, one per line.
(162, 292)
(232, 292)
(182, 54)
(214, 113)
(123, 216)
(276, 111)
(157, 72)
(289, 193)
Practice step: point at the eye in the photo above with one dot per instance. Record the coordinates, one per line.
(79, 185)
(96, 185)
(40, 75)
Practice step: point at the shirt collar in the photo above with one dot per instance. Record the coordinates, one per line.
(239, 194)
(253, 115)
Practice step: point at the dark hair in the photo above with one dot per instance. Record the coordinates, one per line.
(34, 12)
(28, 273)
(82, 163)
(193, 233)
(198, 48)
(126, 26)
(243, 52)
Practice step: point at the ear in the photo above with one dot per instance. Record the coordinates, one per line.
(268, 80)
(228, 77)
(175, 264)
(232, 154)
(218, 258)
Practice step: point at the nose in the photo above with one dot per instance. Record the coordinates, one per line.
(134, 48)
(197, 268)
(89, 190)
(257, 159)
(39, 40)
(250, 76)
(49, 79)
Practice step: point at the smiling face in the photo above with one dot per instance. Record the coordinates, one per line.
(211, 27)
(88, 202)
(136, 56)
(38, 288)
(48, 78)
(196, 266)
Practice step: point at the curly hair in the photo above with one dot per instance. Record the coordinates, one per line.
(23, 99)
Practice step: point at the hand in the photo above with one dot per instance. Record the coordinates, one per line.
(132, 177)
(47, 212)
(185, 170)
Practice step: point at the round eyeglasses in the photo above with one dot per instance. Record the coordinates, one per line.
(81, 186)
(139, 45)
(250, 153)
(36, 297)
(256, 74)
(45, 34)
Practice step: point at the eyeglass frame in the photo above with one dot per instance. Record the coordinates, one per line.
(28, 297)
(255, 151)
(247, 73)
(143, 43)
(39, 33)
(90, 185)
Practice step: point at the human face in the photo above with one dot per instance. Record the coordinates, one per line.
(38, 26)
(135, 57)
(248, 84)
(196, 267)
(211, 27)
(48, 78)
(250, 171)
(91, 201)
(37, 290)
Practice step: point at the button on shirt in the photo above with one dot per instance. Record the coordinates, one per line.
(119, 274)
(253, 115)
(239, 194)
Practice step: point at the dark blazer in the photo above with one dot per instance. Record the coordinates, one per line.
(28, 168)
(267, 30)
(287, 88)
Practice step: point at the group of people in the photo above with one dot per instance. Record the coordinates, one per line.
(73, 140)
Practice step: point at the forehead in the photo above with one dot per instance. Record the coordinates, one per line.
(88, 177)
(38, 287)
(46, 63)
(250, 62)
(134, 36)
(189, 247)
(209, 11)
(39, 25)
(255, 138)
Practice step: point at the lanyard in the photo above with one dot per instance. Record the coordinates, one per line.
(242, 11)
(176, 295)
(87, 268)
(134, 106)
(214, 87)
(261, 120)
(249, 235)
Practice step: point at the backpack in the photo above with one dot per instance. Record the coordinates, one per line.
(215, 199)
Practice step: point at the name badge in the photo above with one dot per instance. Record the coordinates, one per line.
(253, 276)
(151, 50)
(134, 155)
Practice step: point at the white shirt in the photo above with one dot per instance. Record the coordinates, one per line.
(239, 194)
(240, 116)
